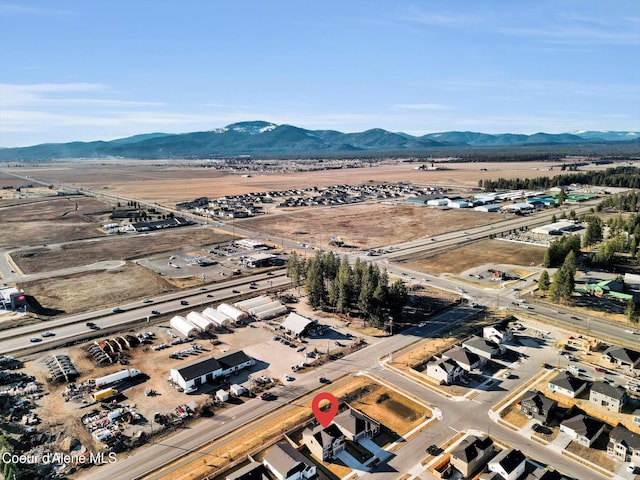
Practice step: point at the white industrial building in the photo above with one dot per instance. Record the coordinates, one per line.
(438, 202)
(297, 325)
(232, 312)
(206, 370)
(247, 305)
(459, 204)
(262, 307)
(200, 321)
(557, 228)
(220, 319)
(183, 326)
(490, 208)
(518, 208)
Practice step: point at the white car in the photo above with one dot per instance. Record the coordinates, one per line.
(421, 324)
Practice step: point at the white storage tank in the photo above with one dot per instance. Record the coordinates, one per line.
(183, 326)
(200, 321)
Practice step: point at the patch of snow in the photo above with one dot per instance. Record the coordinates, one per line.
(268, 128)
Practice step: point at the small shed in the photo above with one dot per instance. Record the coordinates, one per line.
(237, 390)
(222, 395)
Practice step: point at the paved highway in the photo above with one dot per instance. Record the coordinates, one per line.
(17, 340)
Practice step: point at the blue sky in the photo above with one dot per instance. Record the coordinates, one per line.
(89, 70)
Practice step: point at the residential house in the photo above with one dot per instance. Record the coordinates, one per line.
(609, 396)
(544, 474)
(509, 464)
(499, 333)
(354, 424)
(444, 371)
(567, 384)
(624, 444)
(253, 471)
(287, 463)
(324, 443)
(536, 405)
(623, 356)
(485, 349)
(463, 357)
(583, 428)
(471, 454)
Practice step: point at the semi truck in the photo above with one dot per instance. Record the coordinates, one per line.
(104, 394)
(116, 377)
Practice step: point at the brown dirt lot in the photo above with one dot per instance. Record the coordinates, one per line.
(368, 225)
(491, 252)
(95, 290)
(51, 219)
(114, 248)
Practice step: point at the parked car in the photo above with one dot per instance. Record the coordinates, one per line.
(289, 378)
(434, 450)
(631, 468)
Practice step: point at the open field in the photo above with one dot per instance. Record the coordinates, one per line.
(492, 252)
(121, 247)
(96, 289)
(51, 219)
(179, 180)
(369, 225)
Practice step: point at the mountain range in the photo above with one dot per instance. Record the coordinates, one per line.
(259, 138)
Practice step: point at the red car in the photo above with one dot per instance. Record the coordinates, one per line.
(601, 370)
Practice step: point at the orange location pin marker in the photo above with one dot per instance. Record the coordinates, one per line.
(324, 417)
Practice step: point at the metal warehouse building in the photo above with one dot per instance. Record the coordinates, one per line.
(206, 370)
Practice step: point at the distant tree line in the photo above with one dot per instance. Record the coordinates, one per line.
(331, 281)
(626, 177)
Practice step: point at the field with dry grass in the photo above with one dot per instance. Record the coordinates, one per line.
(492, 252)
(179, 180)
(121, 247)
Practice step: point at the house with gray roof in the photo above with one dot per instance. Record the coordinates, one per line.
(324, 442)
(536, 405)
(567, 384)
(583, 428)
(252, 471)
(509, 464)
(608, 396)
(467, 360)
(444, 371)
(471, 454)
(287, 463)
(355, 424)
(623, 356)
(484, 348)
(624, 444)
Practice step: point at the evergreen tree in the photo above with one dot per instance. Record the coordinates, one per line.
(294, 269)
(315, 284)
(543, 281)
(593, 233)
(631, 311)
